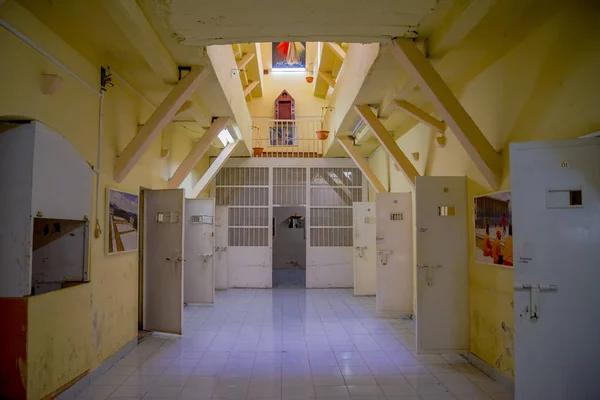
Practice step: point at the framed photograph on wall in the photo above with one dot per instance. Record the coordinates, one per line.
(122, 221)
(493, 229)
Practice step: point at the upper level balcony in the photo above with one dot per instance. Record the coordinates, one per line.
(287, 138)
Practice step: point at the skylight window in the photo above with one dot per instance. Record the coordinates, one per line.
(225, 137)
(288, 56)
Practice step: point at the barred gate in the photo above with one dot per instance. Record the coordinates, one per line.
(328, 193)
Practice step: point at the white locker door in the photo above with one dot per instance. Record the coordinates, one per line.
(556, 226)
(163, 260)
(365, 252)
(394, 253)
(442, 265)
(220, 258)
(199, 275)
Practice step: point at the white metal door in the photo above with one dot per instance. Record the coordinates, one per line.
(220, 254)
(556, 223)
(163, 260)
(199, 278)
(442, 265)
(394, 253)
(365, 252)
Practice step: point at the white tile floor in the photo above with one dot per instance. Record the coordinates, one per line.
(290, 344)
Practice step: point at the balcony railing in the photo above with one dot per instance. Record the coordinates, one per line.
(287, 138)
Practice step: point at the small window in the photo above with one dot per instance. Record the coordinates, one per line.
(564, 199)
(60, 254)
(446, 211)
(225, 137)
(396, 217)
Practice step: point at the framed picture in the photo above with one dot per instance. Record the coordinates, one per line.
(289, 55)
(122, 221)
(493, 229)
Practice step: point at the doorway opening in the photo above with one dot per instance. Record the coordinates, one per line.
(289, 247)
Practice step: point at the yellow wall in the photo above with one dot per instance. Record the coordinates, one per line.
(545, 87)
(294, 82)
(73, 330)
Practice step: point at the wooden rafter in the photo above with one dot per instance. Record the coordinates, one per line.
(132, 21)
(214, 168)
(337, 50)
(197, 152)
(241, 64)
(361, 163)
(387, 142)
(327, 78)
(251, 85)
(479, 149)
(157, 121)
(420, 115)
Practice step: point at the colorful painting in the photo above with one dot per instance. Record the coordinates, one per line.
(122, 224)
(493, 229)
(289, 55)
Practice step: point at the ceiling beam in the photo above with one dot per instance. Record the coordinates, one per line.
(387, 142)
(328, 78)
(186, 106)
(214, 168)
(337, 50)
(481, 152)
(163, 114)
(241, 64)
(420, 115)
(460, 20)
(197, 152)
(251, 85)
(361, 163)
(131, 19)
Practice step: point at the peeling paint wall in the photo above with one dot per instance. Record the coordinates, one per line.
(544, 88)
(73, 330)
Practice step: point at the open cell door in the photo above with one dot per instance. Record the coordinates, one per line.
(199, 286)
(556, 224)
(442, 265)
(163, 260)
(365, 252)
(220, 257)
(394, 253)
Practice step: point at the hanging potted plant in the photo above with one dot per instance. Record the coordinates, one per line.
(257, 150)
(323, 134)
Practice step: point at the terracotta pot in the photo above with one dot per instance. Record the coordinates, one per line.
(310, 79)
(322, 135)
(257, 151)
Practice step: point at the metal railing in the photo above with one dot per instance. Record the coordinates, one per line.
(287, 138)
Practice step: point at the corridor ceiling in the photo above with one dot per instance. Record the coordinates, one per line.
(201, 23)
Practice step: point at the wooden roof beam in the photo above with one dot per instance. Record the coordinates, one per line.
(481, 152)
(420, 115)
(361, 163)
(328, 78)
(337, 50)
(241, 64)
(387, 142)
(214, 168)
(131, 19)
(248, 89)
(197, 152)
(163, 114)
